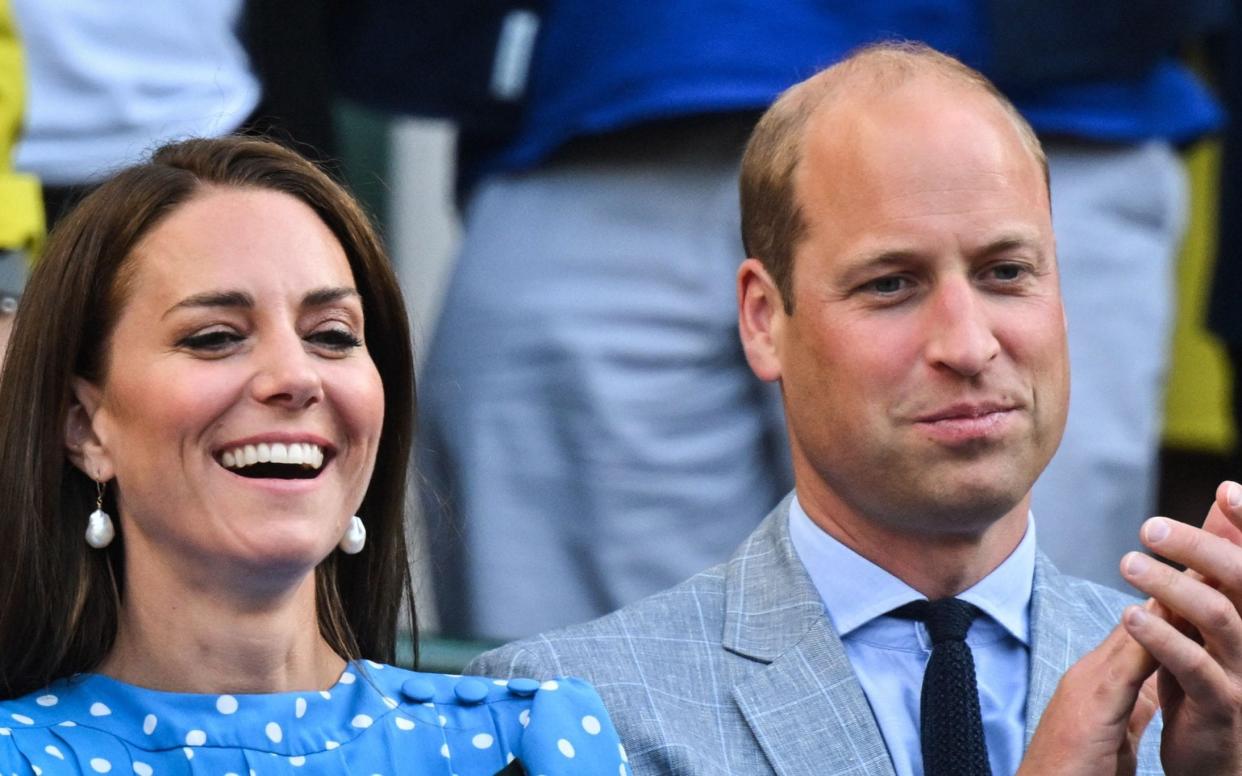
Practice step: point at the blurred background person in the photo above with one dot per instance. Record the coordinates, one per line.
(110, 81)
(21, 208)
(1204, 402)
(588, 416)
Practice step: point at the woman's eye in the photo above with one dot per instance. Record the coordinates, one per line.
(335, 339)
(211, 341)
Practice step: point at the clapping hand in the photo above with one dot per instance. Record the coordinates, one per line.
(1194, 631)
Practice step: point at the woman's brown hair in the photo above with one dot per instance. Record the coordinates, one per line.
(59, 599)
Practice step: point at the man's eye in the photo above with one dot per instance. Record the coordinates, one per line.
(887, 286)
(211, 341)
(335, 339)
(1007, 272)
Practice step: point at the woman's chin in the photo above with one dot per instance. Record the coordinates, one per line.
(284, 555)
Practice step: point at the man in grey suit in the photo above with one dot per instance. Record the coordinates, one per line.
(904, 292)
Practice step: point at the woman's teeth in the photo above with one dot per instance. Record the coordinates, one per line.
(297, 453)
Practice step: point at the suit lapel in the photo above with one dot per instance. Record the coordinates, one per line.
(806, 708)
(1051, 636)
(1062, 631)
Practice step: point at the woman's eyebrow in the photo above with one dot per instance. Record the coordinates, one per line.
(213, 299)
(317, 298)
(325, 296)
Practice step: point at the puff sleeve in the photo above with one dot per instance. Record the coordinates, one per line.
(567, 731)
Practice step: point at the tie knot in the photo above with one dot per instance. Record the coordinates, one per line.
(947, 619)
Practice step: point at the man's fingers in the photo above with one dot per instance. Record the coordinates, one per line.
(1214, 558)
(1097, 714)
(1115, 671)
(1208, 610)
(1145, 708)
(1196, 671)
(1225, 517)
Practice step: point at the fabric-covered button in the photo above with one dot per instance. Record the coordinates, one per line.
(523, 687)
(418, 690)
(471, 691)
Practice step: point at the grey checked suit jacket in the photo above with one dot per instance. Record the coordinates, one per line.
(738, 670)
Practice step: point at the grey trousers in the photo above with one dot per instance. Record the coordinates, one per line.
(589, 430)
(1119, 216)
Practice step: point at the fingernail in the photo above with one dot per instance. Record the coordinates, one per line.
(1136, 563)
(1234, 494)
(1136, 617)
(1156, 529)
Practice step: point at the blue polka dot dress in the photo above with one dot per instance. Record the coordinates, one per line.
(377, 719)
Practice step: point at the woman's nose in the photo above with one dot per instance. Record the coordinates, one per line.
(287, 374)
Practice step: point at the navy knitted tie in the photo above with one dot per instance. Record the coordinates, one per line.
(952, 726)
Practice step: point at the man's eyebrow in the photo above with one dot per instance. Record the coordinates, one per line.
(868, 263)
(887, 257)
(1011, 241)
(213, 299)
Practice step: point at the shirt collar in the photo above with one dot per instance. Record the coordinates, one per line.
(856, 591)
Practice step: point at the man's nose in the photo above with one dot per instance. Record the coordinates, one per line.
(287, 374)
(960, 335)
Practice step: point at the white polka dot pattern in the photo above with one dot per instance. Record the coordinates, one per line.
(363, 724)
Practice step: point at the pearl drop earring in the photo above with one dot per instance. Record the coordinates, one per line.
(355, 537)
(99, 530)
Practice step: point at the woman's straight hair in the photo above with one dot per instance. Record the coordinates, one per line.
(60, 599)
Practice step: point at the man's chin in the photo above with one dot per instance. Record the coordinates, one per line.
(963, 506)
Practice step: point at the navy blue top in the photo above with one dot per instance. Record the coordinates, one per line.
(602, 65)
(377, 719)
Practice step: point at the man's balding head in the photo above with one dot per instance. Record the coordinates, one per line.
(772, 219)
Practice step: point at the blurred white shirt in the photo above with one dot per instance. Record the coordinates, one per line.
(111, 80)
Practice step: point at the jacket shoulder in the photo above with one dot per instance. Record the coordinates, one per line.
(608, 647)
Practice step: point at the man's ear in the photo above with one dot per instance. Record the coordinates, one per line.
(82, 443)
(760, 319)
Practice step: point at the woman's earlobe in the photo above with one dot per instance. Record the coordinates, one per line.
(82, 444)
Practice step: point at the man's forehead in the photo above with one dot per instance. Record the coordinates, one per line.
(900, 140)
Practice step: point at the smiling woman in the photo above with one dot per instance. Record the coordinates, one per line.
(207, 412)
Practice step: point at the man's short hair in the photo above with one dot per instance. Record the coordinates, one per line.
(772, 221)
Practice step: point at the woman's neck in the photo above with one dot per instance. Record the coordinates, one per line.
(181, 637)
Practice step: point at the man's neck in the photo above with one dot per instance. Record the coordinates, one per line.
(937, 564)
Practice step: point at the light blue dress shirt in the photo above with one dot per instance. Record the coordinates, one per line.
(889, 654)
